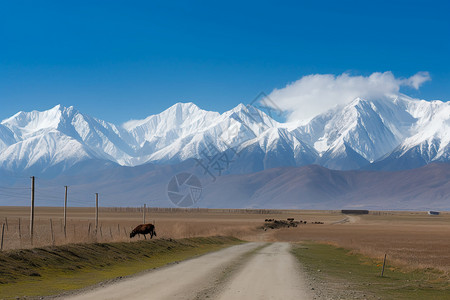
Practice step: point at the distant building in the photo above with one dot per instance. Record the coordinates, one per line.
(431, 212)
(355, 211)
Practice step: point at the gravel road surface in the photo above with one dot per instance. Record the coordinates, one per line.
(247, 271)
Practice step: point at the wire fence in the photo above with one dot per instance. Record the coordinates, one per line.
(114, 224)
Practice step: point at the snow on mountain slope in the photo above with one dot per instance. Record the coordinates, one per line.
(364, 126)
(352, 136)
(183, 131)
(429, 140)
(347, 137)
(273, 148)
(194, 132)
(106, 140)
(42, 152)
(6, 138)
(433, 130)
(177, 122)
(29, 124)
(60, 136)
(401, 130)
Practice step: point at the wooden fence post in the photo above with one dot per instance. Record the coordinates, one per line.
(96, 211)
(143, 214)
(384, 263)
(3, 233)
(20, 233)
(51, 232)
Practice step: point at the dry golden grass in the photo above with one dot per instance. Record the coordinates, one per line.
(115, 224)
(413, 239)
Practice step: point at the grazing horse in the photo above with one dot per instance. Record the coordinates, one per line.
(144, 229)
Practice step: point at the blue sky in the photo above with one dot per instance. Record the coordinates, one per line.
(121, 60)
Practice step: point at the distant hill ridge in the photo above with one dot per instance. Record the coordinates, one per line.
(306, 187)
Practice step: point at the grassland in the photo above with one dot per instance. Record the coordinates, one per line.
(337, 273)
(412, 240)
(115, 225)
(55, 269)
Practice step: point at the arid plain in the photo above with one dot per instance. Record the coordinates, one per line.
(410, 239)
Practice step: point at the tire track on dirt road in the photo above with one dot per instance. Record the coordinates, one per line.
(247, 271)
(272, 273)
(183, 280)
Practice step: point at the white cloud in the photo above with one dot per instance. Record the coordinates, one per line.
(416, 81)
(314, 94)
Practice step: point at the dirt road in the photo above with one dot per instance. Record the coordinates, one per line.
(248, 271)
(272, 273)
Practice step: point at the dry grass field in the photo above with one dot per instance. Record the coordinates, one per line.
(115, 224)
(411, 239)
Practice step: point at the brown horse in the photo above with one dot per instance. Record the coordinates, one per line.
(144, 229)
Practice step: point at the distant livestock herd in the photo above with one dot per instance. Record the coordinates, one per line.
(289, 222)
(149, 228)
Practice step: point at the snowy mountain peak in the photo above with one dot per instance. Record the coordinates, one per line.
(181, 111)
(351, 136)
(176, 115)
(27, 124)
(252, 117)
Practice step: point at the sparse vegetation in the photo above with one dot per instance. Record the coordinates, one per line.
(115, 224)
(338, 273)
(52, 270)
(412, 240)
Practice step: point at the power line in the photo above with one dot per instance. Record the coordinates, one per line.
(14, 188)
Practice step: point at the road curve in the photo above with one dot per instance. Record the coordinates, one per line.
(238, 272)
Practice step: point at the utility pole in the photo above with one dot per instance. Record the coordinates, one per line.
(65, 212)
(143, 215)
(32, 209)
(96, 212)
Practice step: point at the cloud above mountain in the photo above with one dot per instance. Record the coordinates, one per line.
(314, 94)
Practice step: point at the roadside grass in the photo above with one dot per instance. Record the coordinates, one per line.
(54, 270)
(341, 274)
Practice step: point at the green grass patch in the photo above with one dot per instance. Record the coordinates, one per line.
(53, 270)
(346, 275)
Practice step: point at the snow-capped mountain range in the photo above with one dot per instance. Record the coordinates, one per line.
(390, 134)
